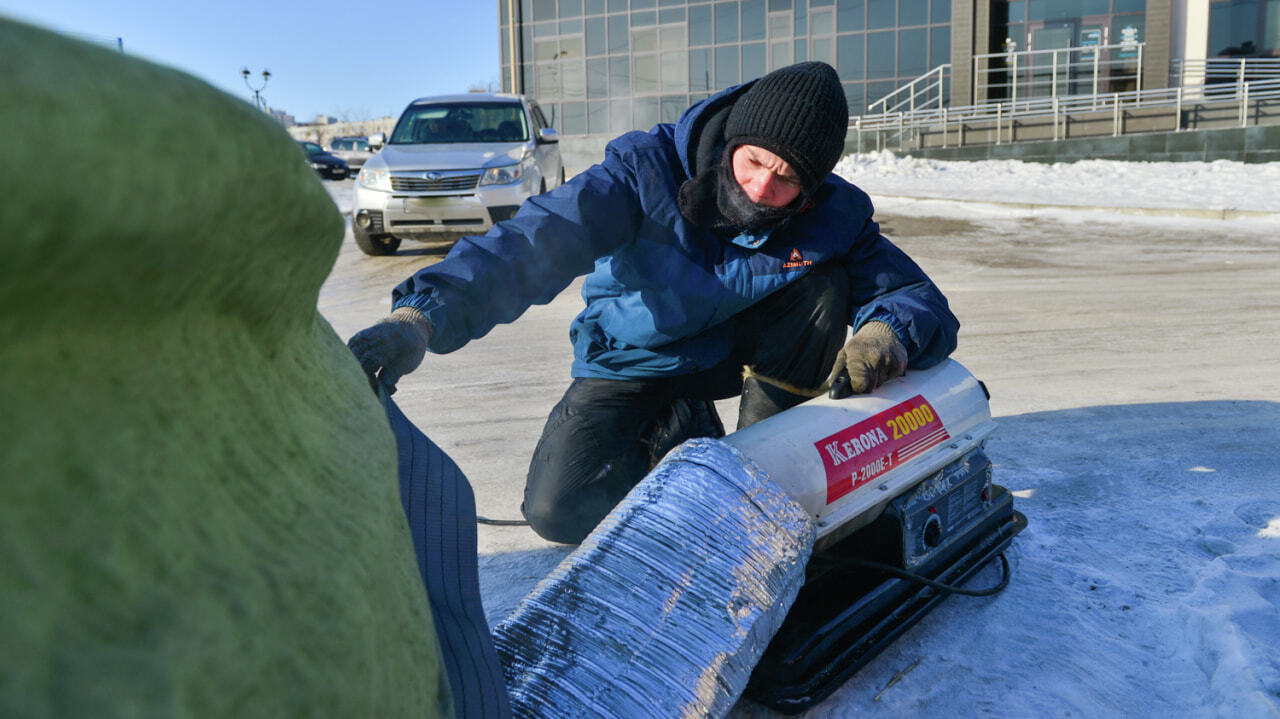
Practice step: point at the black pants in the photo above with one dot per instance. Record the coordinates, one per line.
(605, 435)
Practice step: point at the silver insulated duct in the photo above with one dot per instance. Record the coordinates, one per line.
(666, 607)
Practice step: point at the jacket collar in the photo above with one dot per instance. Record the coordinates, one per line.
(699, 133)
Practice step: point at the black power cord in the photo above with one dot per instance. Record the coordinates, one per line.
(920, 579)
(502, 522)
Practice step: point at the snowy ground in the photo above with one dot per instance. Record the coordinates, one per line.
(1135, 376)
(1221, 185)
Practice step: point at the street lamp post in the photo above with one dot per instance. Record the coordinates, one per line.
(258, 100)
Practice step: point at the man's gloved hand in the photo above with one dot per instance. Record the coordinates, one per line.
(873, 356)
(392, 348)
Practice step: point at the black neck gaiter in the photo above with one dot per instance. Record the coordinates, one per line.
(738, 209)
(715, 200)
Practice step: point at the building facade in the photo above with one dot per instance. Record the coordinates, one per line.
(602, 67)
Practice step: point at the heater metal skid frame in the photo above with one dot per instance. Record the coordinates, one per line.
(945, 528)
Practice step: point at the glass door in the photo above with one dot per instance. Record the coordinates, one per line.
(1048, 71)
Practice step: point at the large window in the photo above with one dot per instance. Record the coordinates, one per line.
(1244, 28)
(780, 39)
(1052, 24)
(604, 66)
(822, 35)
(880, 45)
(1044, 25)
(559, 54)
(660, 63)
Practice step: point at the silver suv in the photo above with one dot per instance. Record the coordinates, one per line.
(454, 165)
(355, 151)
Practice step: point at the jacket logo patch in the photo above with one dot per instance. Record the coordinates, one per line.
(796, 260)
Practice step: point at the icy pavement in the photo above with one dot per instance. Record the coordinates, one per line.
(1135, 376)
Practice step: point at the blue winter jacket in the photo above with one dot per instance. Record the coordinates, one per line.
(660, 287)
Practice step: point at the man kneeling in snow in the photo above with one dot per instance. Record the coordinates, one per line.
(725, 259)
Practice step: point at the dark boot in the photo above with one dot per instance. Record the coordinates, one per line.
(683, 419)
(761, 400)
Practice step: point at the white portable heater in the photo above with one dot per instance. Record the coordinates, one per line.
(900, 488)
(773, 563)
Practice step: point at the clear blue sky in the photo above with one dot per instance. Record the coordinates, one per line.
(353, 59)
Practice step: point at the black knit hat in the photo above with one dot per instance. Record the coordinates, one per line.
(797, 112)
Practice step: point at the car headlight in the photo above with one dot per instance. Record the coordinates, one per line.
(506, 174)
(375, 178)
(317, 165)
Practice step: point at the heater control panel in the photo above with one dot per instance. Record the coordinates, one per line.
(943, 507)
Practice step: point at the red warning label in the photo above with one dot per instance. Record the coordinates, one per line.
(858, 454)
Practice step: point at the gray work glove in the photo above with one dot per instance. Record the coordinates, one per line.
(392, 348)
(873, 356)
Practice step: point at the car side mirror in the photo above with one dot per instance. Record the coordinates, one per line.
(548, 135)
(376, 141)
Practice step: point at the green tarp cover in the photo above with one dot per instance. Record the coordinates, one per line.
(199, 512)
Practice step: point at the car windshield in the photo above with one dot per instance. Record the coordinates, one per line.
(311, 148)
(461, 122)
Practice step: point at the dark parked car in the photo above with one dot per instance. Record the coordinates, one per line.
(326, 165)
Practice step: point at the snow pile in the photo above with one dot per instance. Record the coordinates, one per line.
(1217, 185)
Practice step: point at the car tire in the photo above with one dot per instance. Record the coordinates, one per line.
(375, 245)
(542, 186)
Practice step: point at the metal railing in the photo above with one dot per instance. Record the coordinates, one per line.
(1219, 71)
(1216, 90)
(1090, 69)
(998, 121)
(925, 92)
